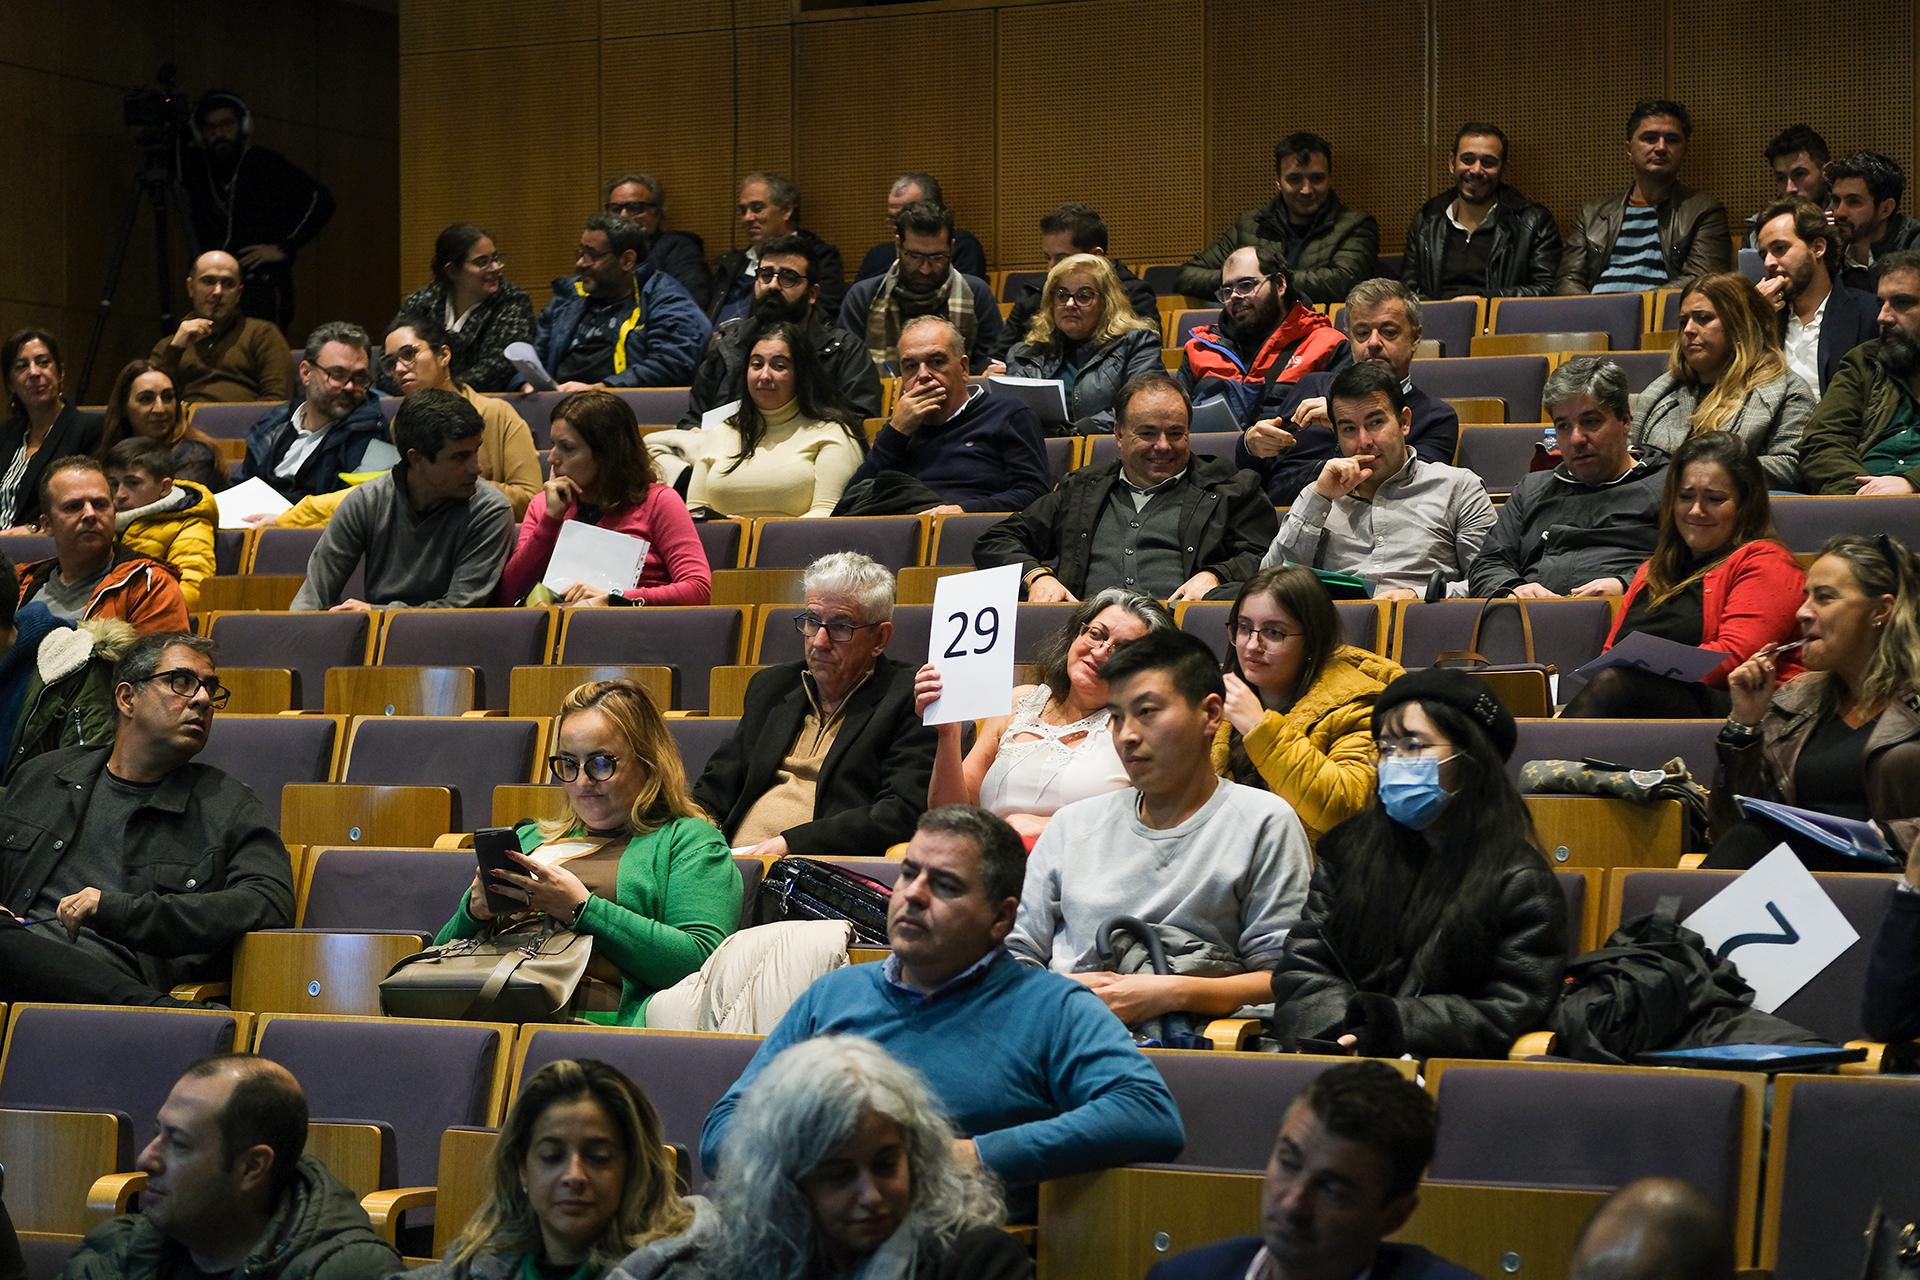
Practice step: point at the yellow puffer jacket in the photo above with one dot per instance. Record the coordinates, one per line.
(1318, 756)
(179, 534)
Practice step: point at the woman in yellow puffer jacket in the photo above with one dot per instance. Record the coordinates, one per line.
(164, 519)
(1299, 701)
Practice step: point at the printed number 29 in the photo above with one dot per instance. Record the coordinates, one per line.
(985, 624)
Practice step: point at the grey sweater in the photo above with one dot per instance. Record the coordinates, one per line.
(449, 557)
(1235, 874)
(1771, 421)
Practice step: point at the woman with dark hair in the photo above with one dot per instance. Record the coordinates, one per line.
(43, 426)
(481, 310)
(633, 863)
(419, 356)
(1717, 579)
(790, 447)
(1055, 747)
(145, 401)
(1086, 335)
(582, 1183)
(1299, 700)
(1728, 372)
(1433, 926)
(601, 475)
(840, 1165)
(1844, 738)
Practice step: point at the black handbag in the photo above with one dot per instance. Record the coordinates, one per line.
(798, 888)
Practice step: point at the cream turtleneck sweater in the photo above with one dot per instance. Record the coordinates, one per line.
(799, 468)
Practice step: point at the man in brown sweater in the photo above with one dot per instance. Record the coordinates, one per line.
(217, 353)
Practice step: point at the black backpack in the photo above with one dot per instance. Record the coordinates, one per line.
(804, 889)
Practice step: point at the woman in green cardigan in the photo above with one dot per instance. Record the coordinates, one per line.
(634, 864)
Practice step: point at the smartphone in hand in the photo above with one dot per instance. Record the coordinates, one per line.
(491, 845)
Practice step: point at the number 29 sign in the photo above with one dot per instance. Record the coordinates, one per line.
(972, 644)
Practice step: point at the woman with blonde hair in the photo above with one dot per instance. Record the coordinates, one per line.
(634, 864)
(145, 401)
(1728, 373)
(1087, 335)
(581, 1184)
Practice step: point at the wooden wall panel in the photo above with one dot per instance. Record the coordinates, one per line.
(761, 12)
(763, 114)
(667, 109)
(625, 18)
(1274, 67)
(1048, 155)
(1514, 63)
(444, 26)
(855, 131)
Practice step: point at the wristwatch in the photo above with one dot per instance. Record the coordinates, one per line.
(1036, 573)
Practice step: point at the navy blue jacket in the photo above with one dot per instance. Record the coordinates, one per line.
(1229, 1260)
(991, 456)
(1852, 317)
(662, 349)
(1434, 436)
(340, 450)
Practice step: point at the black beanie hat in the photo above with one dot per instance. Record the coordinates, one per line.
(1471, 697)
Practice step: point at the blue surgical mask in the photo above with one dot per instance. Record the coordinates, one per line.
(1410, 790)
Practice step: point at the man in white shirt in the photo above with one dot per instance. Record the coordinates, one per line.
(1821, 320)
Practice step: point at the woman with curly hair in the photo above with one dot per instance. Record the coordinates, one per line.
(1087, 335)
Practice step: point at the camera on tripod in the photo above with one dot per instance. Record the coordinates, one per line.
(157, 113)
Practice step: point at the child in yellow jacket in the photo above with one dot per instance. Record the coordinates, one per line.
(164, 519)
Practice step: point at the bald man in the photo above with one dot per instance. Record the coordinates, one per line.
(1655, 1229)
(218, 353)
(230, 1190)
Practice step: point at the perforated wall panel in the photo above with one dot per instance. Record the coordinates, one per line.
(666, 108)
(439, 26)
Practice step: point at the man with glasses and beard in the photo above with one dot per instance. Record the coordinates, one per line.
(617, 321)
(786, 287)
(922, 282)
(1266, 340)
(131, 869)
(302, 448)
(1865, 436)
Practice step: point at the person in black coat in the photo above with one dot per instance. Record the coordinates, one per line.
(1433, 925)
(42, 429)
(969, 258)
(770, 207)
(1481, 238)
(1799, 251)
(639, 197)
(1065, 231)
(829, 757)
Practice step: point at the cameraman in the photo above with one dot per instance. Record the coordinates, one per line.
(252, 202)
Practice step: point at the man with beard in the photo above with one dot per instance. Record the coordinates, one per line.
(1820, 321)
(251, 201)
(1865, 436)
(218, 353)
(769, 208)
(786, 287)
(922, 282)
(1383, 327)
(618, 321)
(132, 868)
(1482, 238)
(1866, 212)
(303, 448)
(1266, 340)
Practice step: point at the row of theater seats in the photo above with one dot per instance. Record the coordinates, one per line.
(406, 1113)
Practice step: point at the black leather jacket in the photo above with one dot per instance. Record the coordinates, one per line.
(1522, 263)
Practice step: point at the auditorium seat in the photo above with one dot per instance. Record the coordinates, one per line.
(796, 542)
(724, 541)
(776, 639)
(1582, 887)
(540, 690)
(954, 535)
(1641, 367)
(1515, 380)
(1452, 322)
(1162, 278)
(231, 421)
(1363, 623)
(1840, 1145)
(686, 639)
(1185, 322)
(1805, 524)
(1551, 344)
(317, 971)
(25, 548)
(491, 641)
(1751, 265)
(1621, 316)
(468, 756)
(1062, 453)
(1633, 744)
(309, 644)
(401, 691)
(229, 550)
(1012, 282)
(698, 738)
(1502, 456)
(286, 551)
(269, 752)
(1566, 633)
(397, 890)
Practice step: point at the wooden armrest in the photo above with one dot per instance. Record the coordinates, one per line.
(112, 1195)
(1232, 1033)
(455, 840)
(383, 1208)
(202, 991)
(1874, 1063)
(1691, 861)
(1534, 1044)
(1026, 1233)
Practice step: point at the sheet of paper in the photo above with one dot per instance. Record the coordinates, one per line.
(1652, 654)
(718, 415)
(1214, 415)
(972, 644)
(1777, 925)
(605, 559)
(1047, 397)
(523, 357)
(252, 496)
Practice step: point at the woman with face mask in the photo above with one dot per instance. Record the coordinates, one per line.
(1433, 925)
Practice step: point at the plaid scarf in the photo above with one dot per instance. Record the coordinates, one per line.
(884, 320)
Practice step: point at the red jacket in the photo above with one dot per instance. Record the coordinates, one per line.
(140, 592)
(1748, 603)
(675, 572)
(1306, 339)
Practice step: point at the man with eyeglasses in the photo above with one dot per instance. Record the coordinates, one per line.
(1064, 231)
(640, 198)
(131, 869)
(618, 321)
(922, 282)
(786, 288)
(218, 353)
(91, 575)
(1265, 341)
(1156, 520)
(304, 447)
(769, 208)
(914, 188)
(829, 757)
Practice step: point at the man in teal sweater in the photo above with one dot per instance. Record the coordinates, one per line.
(1037, 1076)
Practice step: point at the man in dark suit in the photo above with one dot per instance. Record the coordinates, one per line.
(829, 757)
(1345, 1174)
(1820, 318)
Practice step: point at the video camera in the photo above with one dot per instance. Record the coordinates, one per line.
(157, 113)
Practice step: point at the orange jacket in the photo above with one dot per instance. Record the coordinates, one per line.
(140, 592)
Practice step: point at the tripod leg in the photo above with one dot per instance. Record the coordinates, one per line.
(116, 262)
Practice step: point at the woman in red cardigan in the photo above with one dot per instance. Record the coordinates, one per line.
(600, 474)
(1716, 579)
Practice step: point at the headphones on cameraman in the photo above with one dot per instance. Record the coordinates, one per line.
(213, 99)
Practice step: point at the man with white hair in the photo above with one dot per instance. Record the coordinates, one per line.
(829, 757)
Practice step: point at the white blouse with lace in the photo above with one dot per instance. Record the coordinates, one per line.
(1037, 771)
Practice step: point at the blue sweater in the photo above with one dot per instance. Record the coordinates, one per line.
(991, 456)
(1028, 1064)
